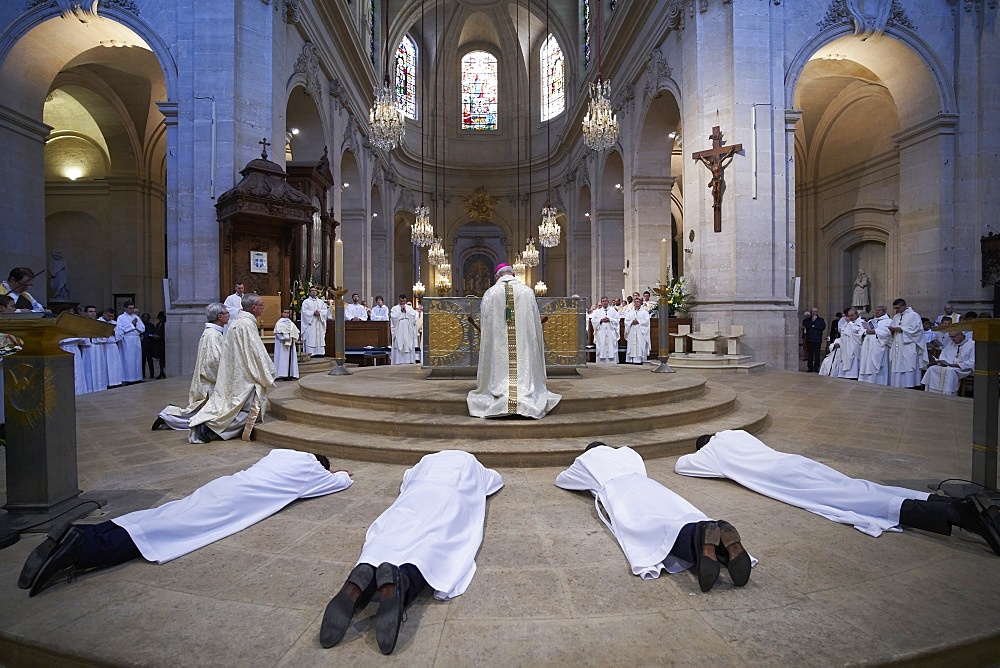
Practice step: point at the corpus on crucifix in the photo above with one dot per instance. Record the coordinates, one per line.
(717, 159)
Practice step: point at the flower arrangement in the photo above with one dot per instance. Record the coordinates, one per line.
(678, 298)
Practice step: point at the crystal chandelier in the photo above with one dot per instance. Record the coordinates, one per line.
(436, 255)
(418, 290)
(444, 276)
(385, 119)
(421, 232)
(518, 267)
(549, 229)
(530, 254)
(541, 289)
(600, 125)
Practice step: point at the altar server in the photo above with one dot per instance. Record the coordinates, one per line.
(108, 367)
(286, 336)
(131, 328)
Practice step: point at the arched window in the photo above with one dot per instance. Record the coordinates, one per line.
(406, 77)
(479, 91)
(553, 77)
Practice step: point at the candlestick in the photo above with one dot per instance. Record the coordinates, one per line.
(338, 263)
(664, 261)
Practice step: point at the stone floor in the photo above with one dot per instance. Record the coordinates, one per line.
(552, 585)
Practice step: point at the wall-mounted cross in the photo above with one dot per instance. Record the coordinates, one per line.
(717, 159)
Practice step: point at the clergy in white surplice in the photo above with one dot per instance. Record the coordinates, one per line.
(429, 535)
(246, 372)
(80, 372)
(355, 310)
(908, 350)
(873, 366)
(315, 312)
(656, 528)
(849, 343)
(206, 370)
(403, 327)
(212, 512)
(636, 335)
(108, 363)
(955, 362)
(510, 378)
(870, 507)
(286, 336)
(604, 321)
(131, 327)
(234, 304)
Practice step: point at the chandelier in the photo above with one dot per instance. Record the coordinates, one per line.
(436, 255)
(549, 229)
(444, 276)
(385, 119)
(418, 290)
(519, 268)
(530, 254)
(541, 289)
(600, 125)
(421, 232)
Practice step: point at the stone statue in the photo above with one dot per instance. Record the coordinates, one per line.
(59, 278)
(862, 293)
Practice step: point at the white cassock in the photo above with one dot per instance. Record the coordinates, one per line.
(314, 326)
(87, 359)
(352, 311)
(799, 481)
(436, 522)
(229, 504)
(402, 325)
(233, 304)
(605, 335)
(637, 335)
(110, 359)
(908, 351)
(286, 360)
(873, 364)
(245, 374)
(509, 384)
(850, 349)
(643, 515)
(131, 346)
(830, 366)
(945, 379)
(206, 369)
(380, 313)
(72, 346)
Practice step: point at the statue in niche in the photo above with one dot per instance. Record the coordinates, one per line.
(862, 292)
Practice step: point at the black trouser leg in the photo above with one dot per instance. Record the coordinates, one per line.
(684, 548)
(106, 544)
(415, 582)
(148, 361)
(931, 515)
(812, 355)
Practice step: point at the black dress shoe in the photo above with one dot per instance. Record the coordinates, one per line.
(732, 554)
(159, 424)
(979, 516)
(389, 617)
(352, 597)
(33, 564)
(205, 434)
(64, 556)
(707, 537)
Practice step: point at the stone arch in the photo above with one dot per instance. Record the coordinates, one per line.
(303, 114)
(608, 241)
(355, 228)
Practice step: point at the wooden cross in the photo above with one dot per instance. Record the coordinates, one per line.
(265, 143)
(717, 159)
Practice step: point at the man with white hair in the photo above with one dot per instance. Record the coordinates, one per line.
(954, 363)
(873, 365)
(849, 343)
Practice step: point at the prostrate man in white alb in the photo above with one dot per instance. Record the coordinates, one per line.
(315, 312)
(286, 358)
(206, 370)
(510, 378)
(110, 359)
(380, 312)
(873, 366)
(636, 333)
(246, 372)
(355, 310)
(428, 536)
(954, 363)
(908, 351)
(131, 327)
(870, 507)
(219, 509)
(234, 303)
(403, 327)
(604, 320)
(656, 528)
(849, 343)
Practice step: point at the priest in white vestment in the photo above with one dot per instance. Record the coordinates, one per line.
(510, 378)
(355, 310)
(954, 363)
(604, 321)
(212, 512)
(234, 304)
(873, 364)
(403, 327)
(908, 351)
(636, 334)
(246, 372)
(315, 312)
(206, 370)
(656, 528)
(429, 535)
(132, 329)
(286, 336)
(869, 507)
(110, 357)
(849, 343)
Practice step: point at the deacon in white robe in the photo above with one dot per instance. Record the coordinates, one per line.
(955, 362)
(109, 363)
(234, 304)
(870, 507)
(908, 351)
(206, 370)
(654, 526)
(315, 312)
(403, 327)
(131, 328)
(604, 321)
(430, 534)
(286, 359)
(380, 312)
(873, 364)
(636, 335)
(510, 378)
(72, 346)
(850, 346)
(246, 372)
(355, 310)
(214, 511)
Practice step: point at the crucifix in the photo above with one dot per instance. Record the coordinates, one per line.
(265, 143)
(717, 159)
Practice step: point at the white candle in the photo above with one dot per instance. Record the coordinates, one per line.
(664, 261)
(338, 264)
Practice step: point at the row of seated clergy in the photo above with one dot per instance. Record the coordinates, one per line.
(705, 339)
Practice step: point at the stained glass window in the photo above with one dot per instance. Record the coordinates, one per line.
(479, 91)
(553, 78)
(585, 22)
(406, 77)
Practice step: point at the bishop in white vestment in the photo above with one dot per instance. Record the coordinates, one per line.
(315, 312)
(206, 370)
(605, 323)
(403, 327)
(510, 378)
(286, 359)
(955, 362)
(873, 365)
